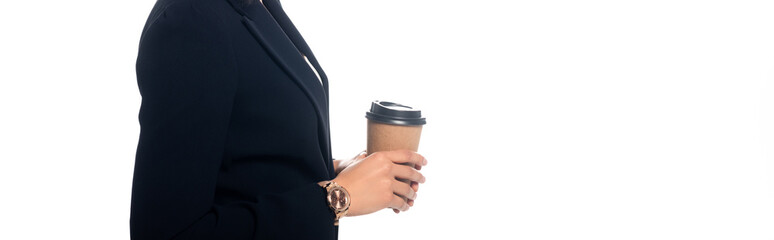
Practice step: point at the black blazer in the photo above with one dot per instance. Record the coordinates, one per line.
(234, 126)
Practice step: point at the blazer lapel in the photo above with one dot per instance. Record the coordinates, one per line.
(266, 31)
(275, 7)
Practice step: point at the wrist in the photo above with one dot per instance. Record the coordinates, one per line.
(337, 197)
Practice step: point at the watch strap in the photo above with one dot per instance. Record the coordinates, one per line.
(329, 186)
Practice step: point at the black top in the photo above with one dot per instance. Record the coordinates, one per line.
(234, 126)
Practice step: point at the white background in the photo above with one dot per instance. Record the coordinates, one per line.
(546, 119)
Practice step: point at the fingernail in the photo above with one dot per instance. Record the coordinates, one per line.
(423, 179)
(424, 162)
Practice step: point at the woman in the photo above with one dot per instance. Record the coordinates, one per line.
(234, 139)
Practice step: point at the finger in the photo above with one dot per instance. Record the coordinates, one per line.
(405, 156)
(408, 173)
(398, 203)
(396, 211)
(410, 203)
(403, 189)
(415, 186)
(360, 155)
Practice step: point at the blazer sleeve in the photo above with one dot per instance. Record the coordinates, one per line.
(188, 80)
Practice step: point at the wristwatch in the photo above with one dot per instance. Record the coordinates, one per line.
(338, 199)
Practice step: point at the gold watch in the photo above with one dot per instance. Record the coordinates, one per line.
(338, 199)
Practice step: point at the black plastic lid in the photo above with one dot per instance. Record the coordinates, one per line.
(395, 114)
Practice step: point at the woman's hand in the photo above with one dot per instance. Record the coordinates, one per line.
(372, 182)
(342, 164)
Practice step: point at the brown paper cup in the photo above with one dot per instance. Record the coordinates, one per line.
(387, 137)
(392, 126)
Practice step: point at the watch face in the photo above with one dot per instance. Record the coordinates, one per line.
(338, 198)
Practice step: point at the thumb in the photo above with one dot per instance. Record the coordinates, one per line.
(360, 155)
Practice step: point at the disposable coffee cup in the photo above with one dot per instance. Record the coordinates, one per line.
(393, 126)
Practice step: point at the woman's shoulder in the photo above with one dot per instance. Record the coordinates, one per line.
(190, 13)
(181, 27)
